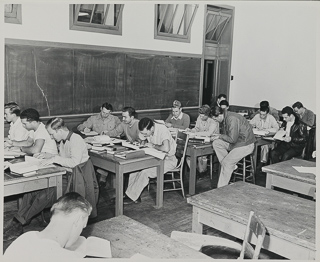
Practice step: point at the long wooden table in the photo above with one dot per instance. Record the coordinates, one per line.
(283, 175)
(46, 177)
(129, 237)
(290, 220)
(121, 166)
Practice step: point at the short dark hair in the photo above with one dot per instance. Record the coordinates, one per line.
(222, 95)
(264, 109)
(205, 109)
(145, 123)
(216, 111)
(130, 110)
(14, 108)
(30, 114)
(107, 106)
(56, 123)
(69, 203)
(264, 103)
(224, 103)
(297, 104)
(287, 110)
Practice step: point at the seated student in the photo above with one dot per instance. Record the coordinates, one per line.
(101, 123)
(295, 139)
(264, 121)
(272, 111)
(177, 119)
(205, 126)
(236, 142)
(104, 121)
(40, 142)
(128, 128)
(220, 98)
(155, 136)
(16, 132)
(69, 215)
(305, 115)
(72, 152)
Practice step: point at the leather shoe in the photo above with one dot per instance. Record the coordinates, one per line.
(128, 201)
(12, 231)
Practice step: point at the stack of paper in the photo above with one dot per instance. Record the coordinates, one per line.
(260, 132)
(91, 133)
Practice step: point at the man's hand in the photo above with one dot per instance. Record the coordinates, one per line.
(214, 137)
(43, 155)
(149, 145)
(86, 130)
(287, 139)
(168, 124)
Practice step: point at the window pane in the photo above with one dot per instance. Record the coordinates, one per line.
(85, 13)
(215, 25)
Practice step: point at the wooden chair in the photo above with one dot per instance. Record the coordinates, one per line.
(176, 174)
(246, 169)
(254, 226)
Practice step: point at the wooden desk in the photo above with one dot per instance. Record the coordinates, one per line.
(290, 220)
(283, 175)
(194, 151)
(46, 177)
(129, 237)
(120, 166)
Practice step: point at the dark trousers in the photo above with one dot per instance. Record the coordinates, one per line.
(284, 152)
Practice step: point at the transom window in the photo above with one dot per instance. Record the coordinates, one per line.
(215, 24)
(103, 18)
(12, 13)
(174, 21)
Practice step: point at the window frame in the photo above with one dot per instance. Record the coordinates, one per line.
(169, 36)
(13, 17)
(89, 27)
(212, 11)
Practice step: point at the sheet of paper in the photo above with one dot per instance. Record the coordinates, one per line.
(280, 135)
(259, 132)
(91, 133)
(304, 169)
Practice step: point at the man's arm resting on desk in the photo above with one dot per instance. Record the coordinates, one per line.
(35, 148)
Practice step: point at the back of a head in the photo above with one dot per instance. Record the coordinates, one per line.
(14, 108)
(145, 123)
(107, 106)
(205, 109)
(287, 110)
(297, 104)
(131, 111)
(56, 123)
(264, 103)
(30, 114)
(69, 203)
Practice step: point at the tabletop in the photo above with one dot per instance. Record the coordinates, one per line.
(129, 237)
(288, 217)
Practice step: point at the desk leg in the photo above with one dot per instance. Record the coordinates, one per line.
(160, 178)
(255, 156)
(197, 227)
(193, 173)
(269, 181)
(119, 190)
(59, 186)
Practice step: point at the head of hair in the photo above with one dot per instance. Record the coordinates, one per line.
(176, 104)
(145, 123)
(107, 106)
(216, 111)
(205, 109)
(14, 108)
(30, 114)
(297, 104)
(69, 203)
(131, 111)
(224, 103)
(287, 110)
(264, 103)
(222, 95)
(264, 109)
(56, 123)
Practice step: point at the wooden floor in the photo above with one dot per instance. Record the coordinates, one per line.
(175, 215)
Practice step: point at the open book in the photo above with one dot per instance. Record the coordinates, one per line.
(28, 167)
(12, 153)
(92, 247)
(91, 133)
(258, 132)
(280, 135)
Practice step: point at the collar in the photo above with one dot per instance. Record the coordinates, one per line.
(68, 137)
(176, 118)
(133, 121)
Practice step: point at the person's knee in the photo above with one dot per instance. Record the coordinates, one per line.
(286, 156)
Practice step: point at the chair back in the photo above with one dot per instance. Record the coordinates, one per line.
(256, 227)
(182, 144)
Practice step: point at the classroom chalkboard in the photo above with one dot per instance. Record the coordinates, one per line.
(66, 80)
